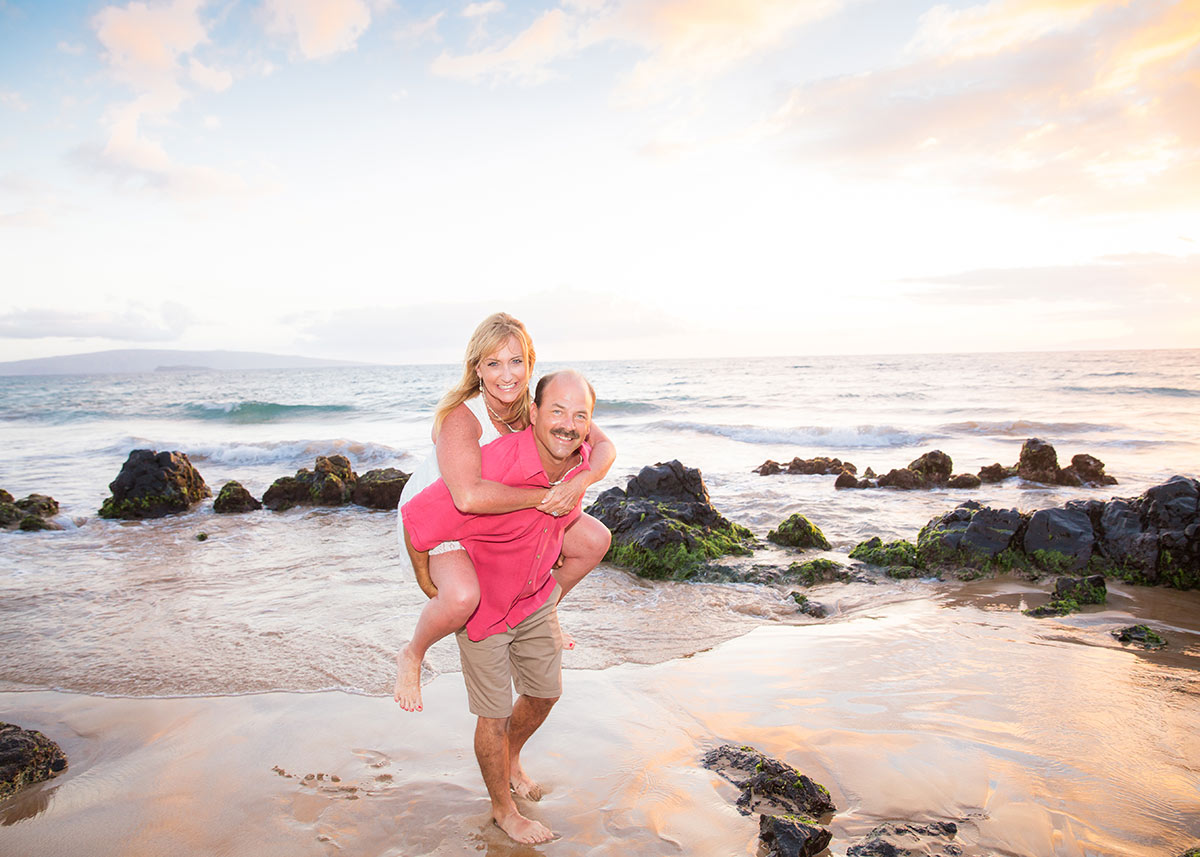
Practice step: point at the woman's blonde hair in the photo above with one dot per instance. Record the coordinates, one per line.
(493, 332)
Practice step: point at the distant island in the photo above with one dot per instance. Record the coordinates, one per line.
(162, 360)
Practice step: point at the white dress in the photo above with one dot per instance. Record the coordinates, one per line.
(428, 472)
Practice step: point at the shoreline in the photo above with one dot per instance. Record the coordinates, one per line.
(944, 726)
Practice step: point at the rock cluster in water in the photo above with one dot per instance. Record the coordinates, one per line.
(30, 514)
(1038, 463)
(1151, 539)
(663, 524)
(26, 757)
(790, 805)
(794, 809)
(155, 484)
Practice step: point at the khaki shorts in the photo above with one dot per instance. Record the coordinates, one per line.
(528, 657)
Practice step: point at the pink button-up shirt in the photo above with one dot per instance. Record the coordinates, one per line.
(513, 552)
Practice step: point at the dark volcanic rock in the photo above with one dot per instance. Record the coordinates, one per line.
(990, 531)
(663, 525)
(934, 468)
(30, 514)
(768, 786)
(329, 483)
(233, 498)
(807, 467)
(791, 836)
(1090, 470)
(996, 472)
(1124, 540)
(799, 532)
(26, 756)
(1142, 635)
(903, 479)
(897, 553)
(1038, 462)
(153, 485)
(897, 839)
(964, 480)
(1065, 532)
(846, 479)
(380, 489)
(1070, 594)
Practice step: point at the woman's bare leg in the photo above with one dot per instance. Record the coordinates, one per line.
(584, 544)
(456, 599)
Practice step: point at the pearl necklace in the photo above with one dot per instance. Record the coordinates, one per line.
(496, 416)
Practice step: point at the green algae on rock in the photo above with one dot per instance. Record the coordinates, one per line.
(154, 484)
(663, 525)
(799, 532)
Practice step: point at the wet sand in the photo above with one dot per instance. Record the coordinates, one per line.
(1037, 737)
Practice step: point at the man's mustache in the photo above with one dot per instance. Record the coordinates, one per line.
(564, 434)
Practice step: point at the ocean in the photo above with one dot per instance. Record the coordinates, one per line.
(314, 599)
(208, 691)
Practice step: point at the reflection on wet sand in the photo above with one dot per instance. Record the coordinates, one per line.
(1036, 736)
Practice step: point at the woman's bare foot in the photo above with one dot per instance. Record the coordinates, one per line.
(408, 679)
(567, 640)
(522, 829)
(522, 786)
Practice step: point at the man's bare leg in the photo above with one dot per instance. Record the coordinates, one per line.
(529, 712)
(457, 597)
(584, 544)
(492, 736)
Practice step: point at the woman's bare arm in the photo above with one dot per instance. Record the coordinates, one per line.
(461, 464)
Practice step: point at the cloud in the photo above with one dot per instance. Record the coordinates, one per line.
(134, 324)
(1086, 106)
(480, 10)
(438, 332)
(145, 48)
(525, 58)
(1138, 283)
(683, 42)
(214, 80)
(74, 50)
(13, 100)
(320, 28)
(423, 30)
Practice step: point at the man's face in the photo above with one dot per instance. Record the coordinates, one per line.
(564, 418)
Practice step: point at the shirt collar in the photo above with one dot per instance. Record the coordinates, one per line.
(531, 462)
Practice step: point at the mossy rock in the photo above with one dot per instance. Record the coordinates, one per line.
(814, 571)
(26, 757)
(1142, 635)
(902, 572)
(875, 551)
(799, 532)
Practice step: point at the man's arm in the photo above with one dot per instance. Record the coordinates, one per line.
(420, 564)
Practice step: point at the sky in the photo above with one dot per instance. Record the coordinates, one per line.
(367, 179)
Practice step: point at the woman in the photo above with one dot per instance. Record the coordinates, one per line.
(491, 400)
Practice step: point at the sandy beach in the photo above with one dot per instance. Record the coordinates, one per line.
(1036, 737)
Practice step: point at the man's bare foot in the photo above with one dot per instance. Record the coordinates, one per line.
(522, 829)
(522, 786)
(408, 679)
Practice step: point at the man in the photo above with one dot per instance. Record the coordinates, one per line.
(513, 637)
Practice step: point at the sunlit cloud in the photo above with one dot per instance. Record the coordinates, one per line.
(423, 30)
(71, 48)
(320, 28)
(145, 48)
(684, 43)
(480, 10)
(1137, 282)
(134, 324)
(1019, 104)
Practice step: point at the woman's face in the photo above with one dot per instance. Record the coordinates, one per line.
(504, 374)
